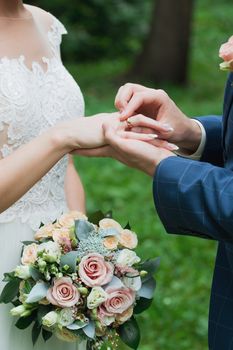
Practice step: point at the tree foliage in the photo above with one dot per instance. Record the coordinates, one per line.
(100, 28)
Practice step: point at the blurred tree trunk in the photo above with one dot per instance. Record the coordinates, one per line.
(164, 56)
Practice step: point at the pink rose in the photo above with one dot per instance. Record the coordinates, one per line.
(226, 53)
(95, 271)
(118, 300)
(63, 293)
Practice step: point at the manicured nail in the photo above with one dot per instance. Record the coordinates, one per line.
(152, 136)
(167, 127)
(172, 147)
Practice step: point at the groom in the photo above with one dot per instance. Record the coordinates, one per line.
(193, 193)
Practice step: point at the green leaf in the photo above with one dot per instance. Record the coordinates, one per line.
(127, 227)
(83, 229)
(77, 325)
(24, 322)
(42, 311)
(69, 259)
(141, 305)
(28, 285)
(96, 217)
(150, 266)
(46, 334)
(8, 276)
(28, 242)
(36, 274)
(147, 289)
(130, 334)
(38, 292)
(35, 332)
(10, 291)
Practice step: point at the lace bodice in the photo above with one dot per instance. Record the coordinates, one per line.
(32, 100)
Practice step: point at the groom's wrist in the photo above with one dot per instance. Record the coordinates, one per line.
(192, 138)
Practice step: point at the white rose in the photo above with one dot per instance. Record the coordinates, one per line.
(50, 319)
(133, 282)
(51, 251)
(127, 257)
(96, 297)
(23, 272)
(66, 317)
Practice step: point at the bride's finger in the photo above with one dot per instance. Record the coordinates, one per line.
(137, 136)
(151, 138)
(164, 144)
(140, 120)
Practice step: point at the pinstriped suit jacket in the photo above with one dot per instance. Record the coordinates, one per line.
(196, 198)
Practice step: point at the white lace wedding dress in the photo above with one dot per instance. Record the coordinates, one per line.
(31, 100)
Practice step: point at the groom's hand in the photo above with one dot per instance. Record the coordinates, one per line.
(134, 99)
(137, 154)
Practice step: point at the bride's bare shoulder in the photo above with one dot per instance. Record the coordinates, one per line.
(40, 14)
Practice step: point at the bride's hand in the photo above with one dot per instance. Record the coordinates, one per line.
(87, 132)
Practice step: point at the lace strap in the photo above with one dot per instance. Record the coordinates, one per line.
(55, 34)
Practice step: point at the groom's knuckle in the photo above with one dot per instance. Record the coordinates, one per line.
(162, 94)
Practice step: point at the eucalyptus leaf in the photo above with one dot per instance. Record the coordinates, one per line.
(36, 274)
(10, 291)
(83, 229)
(89, 330)
(108, 232)
(38, 292)
(35, 332)
(77, 325)
(69, 259)
(115, 283)
(130, 334)
(147, 289)
(142, 305)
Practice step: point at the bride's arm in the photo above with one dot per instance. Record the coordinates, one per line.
(75, 195)
(29, 163)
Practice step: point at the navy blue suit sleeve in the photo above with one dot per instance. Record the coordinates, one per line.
(194, 198)
(213, 151)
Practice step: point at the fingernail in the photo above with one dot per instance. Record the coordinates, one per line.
(167, 127)
(152, 136)
(172, 147)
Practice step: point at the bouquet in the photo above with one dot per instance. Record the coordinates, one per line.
(81, 280)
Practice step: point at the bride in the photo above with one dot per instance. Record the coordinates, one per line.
(38, 101)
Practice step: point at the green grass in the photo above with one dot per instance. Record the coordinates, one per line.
(178, 318)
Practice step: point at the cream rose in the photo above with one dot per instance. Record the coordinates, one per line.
(110, 223)
(65, 335)
(226, 53)
(95, 271)
(110, 242)
(67, 220)
(29, 254)
(50, 319)
(44, 232)
(128, 239)
(63, 293)
(125, 316)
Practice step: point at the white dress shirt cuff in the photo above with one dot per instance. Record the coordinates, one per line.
(197, 155)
